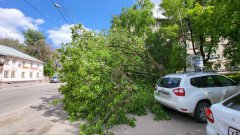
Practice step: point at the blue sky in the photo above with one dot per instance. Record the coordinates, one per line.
(17, 16)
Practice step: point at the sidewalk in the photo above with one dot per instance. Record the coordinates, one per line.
(19, 84)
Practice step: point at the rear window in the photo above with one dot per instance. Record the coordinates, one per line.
(168, 82)
(233, 103)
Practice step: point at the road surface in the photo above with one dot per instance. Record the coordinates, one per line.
(28, 110)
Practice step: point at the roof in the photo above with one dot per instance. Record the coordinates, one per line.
(191, 74)
(8, 51)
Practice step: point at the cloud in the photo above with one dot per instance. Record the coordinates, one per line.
(13, 22)
(39, 21)
(61, 35)
(156, 2)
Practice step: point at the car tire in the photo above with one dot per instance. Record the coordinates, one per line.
(200, 112)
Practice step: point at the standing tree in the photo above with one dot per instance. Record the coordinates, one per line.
(197, 24)
(139, 20)
(13, 43)
(227, 16)
(36, 45)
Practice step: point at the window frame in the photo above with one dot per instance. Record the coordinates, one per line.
(31, 75)
(13, 74)
(23, 75)
(6, 74)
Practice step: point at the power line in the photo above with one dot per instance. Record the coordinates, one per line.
(39, 12)
(60, 12)
(67, 12)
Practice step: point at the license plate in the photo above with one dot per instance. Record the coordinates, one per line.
(233, 131)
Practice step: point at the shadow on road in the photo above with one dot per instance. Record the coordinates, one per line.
(175, 115)
(52, 110)
(57, 115)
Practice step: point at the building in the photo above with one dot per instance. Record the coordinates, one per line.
(217, 60)
(17, 66)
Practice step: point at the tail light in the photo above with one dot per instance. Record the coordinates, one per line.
(179, 91)
(209, 115)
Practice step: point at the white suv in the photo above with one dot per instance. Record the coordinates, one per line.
(192, 93)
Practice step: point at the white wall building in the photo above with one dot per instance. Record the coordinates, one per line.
(19, 66)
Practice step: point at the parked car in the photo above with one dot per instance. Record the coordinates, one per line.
(54, 79)
(224, 118)
(192, 93)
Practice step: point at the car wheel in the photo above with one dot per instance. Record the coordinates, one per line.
(200, 112)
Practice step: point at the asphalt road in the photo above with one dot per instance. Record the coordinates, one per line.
(15, 98)
(28, 110)
(180, 124)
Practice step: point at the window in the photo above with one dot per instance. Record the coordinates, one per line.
(38, 65)
(23, 75)
(31, 65)
(233, 103)
(168, 82)
(13, 74)
(19, 65)
(223, 81)
(196, 82)
(13, 62)
(6, 74)
(37, 75)
(31, 74)
(7, 62)
(203, 82)
(208, 81)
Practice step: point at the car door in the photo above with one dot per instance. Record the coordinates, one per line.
(210, 88)
(227, 86)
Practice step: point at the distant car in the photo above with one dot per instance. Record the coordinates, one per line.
(224, 118)
(54, 79)
(192, 93)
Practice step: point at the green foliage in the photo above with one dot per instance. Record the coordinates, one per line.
(166, 40)
(32, 37)
(159, 112)
(36, 45)
(48, 69)
(235, 77)
(13, 43)
(105, 79)
(197, 23)
(138, 19)
(55, 102)
(227, 18)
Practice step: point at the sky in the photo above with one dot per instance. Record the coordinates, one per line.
(17, 16)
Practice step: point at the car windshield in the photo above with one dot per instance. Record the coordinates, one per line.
(54, 77)
(168, 82)
(233, 103)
